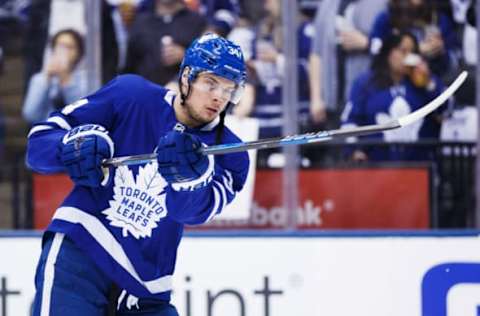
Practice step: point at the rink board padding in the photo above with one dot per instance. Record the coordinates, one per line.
(427, 273)
(352, 198)
(343, 198)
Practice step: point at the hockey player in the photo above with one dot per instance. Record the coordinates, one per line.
(123, 228)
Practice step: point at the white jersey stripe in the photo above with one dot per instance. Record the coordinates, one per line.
(103, 135)
(49, 274)
(216, 198)
(96, 229)
(228, 181)
(224, 195)
(169, 96)
(39, 128)
(60, 122)
(205, 178)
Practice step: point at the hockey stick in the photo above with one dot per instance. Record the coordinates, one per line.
(321, 136)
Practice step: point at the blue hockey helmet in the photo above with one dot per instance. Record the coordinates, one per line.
(219, 56)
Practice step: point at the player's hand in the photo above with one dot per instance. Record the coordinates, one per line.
(178, 158)
(82, 152)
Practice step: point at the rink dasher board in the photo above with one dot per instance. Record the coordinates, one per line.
(307, 273)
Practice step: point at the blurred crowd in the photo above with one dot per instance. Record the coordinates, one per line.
(359, 61)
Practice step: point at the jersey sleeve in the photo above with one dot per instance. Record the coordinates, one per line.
(99, 108)
(36, 104)
(202, 205)
(380, 30)
(354, 112)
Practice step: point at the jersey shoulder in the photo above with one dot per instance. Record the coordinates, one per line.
(140, 90)
(131, 83)
(229, 136)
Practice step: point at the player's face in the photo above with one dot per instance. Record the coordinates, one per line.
(209, 97)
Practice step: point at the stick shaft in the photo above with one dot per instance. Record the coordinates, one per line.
(321, 136)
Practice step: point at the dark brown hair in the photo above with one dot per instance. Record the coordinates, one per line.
(404, 15)
(77, 37)
(380, 67)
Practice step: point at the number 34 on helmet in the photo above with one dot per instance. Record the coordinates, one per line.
(216, 55)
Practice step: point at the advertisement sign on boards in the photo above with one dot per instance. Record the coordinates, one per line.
(284, 276)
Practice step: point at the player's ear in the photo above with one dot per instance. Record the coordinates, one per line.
(185, 75)
(184, 78)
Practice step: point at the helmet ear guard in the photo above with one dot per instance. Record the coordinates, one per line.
(237, 94)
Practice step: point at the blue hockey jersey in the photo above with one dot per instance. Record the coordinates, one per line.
(132, 226)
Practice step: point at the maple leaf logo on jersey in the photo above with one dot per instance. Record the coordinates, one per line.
(138, 205)
(399, 108)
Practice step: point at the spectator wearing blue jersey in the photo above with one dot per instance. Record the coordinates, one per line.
(433, 30)
(60, 82)
(398, 82)
(121, 228)
(339, 54)
(268, 65)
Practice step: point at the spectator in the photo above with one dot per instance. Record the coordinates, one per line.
(243, 34)
(462, 125)
(60, 82)
(221, 23)
(433, 30)
(464, 13)
(117, 18)
(339, 54)
(399, 82)
(267, 64)
(209, 8)
(36, 37)
(158, 39)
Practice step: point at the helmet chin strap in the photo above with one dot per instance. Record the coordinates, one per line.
(221, 124)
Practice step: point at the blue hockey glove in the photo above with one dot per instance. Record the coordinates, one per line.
(82, 151)
(178, 158)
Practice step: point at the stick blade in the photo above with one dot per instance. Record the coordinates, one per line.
(435, 103)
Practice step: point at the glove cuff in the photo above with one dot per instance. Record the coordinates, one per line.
(199, 182)
(87, 130)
